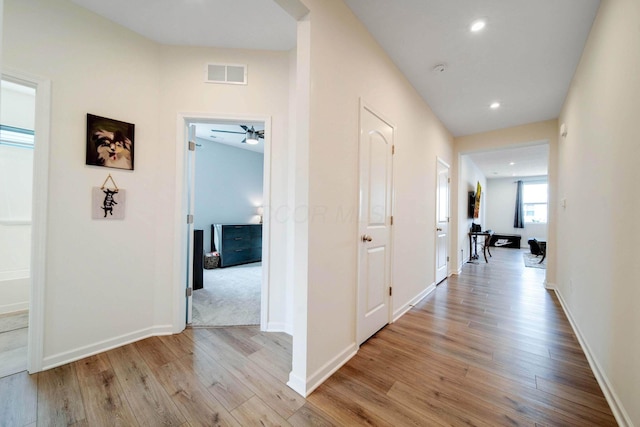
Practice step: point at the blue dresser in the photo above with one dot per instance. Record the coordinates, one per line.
(237, 243)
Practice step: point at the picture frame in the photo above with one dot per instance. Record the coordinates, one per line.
(110, 143)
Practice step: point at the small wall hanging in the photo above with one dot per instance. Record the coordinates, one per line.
(109, 142)
(108, 203)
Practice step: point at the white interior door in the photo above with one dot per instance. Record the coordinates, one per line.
(191, 178)
(374, 269)
(442, 221)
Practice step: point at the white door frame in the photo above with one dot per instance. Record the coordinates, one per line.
(181, 203)
(35, 340)
(440, 161)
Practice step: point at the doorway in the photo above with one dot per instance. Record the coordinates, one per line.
(228, 211)
(442, 221)
(227, 183)
(24, 153)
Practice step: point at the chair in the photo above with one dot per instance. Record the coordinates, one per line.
(538, 248)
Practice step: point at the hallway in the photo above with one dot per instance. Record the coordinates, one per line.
(489, 347)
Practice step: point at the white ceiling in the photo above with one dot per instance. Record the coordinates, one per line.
(513, 162)
(524, 58)
(239, 24)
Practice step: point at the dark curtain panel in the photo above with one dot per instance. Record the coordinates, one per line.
(518, 219)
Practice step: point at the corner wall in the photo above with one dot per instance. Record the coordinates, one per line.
(340, 42)
(598, 270)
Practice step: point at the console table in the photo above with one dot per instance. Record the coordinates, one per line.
(473, 244)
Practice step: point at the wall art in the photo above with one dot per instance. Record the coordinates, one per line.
(110, 143)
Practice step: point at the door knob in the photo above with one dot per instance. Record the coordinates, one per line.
(438, 229)
(366, 238)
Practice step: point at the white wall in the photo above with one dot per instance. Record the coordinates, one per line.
(266, 94)
(98, 286)
(470, 175)
(500, 210)
(90, 307)
(598, 271)
(347, 65)
(228, 186)
(17, 108)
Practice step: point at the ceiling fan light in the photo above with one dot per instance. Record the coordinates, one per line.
(252, 137)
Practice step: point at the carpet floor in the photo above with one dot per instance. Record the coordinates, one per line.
(230, 296)
(533, 261)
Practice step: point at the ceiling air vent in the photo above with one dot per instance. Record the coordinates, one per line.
(226, 73)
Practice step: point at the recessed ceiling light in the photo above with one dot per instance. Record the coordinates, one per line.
(494, 105)
(511, 164)
(478, 25)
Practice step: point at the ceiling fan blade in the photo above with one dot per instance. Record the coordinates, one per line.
(244, 127)
(244, 141)
(226, 131)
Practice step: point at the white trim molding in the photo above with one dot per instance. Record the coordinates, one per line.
(35, 340)
(305, 388)
(181, 208)
(621, 416)
(409, 305)
(105, 345)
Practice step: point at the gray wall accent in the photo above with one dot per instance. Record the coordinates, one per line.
(228, 186)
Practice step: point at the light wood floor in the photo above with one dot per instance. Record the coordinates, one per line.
(489, 347)
(13, 343)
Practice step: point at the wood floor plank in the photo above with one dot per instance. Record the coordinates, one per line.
(198, 406)
(149, 401)
(155, 352)
(18, 405)
(447, 408)
(228, 389)
(254, 412)
(59, 397)
(310, 416)
(273, 392)
(180, 344)
(104, 400)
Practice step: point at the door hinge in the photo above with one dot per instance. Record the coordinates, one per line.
(189, 219)
(390, 290)
(192, 146)
(393, 149)
(447, 259)
(449, 180)
(391, 219)
(189, 292)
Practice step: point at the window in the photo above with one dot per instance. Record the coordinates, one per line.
(534, 200)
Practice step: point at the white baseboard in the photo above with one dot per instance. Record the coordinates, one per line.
(402, 310)
(279, 327)
(305, 388)
(622, 417)
(297, 384)
(12, 308)
(102, 346)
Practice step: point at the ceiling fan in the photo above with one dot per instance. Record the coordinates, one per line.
(252, 136)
